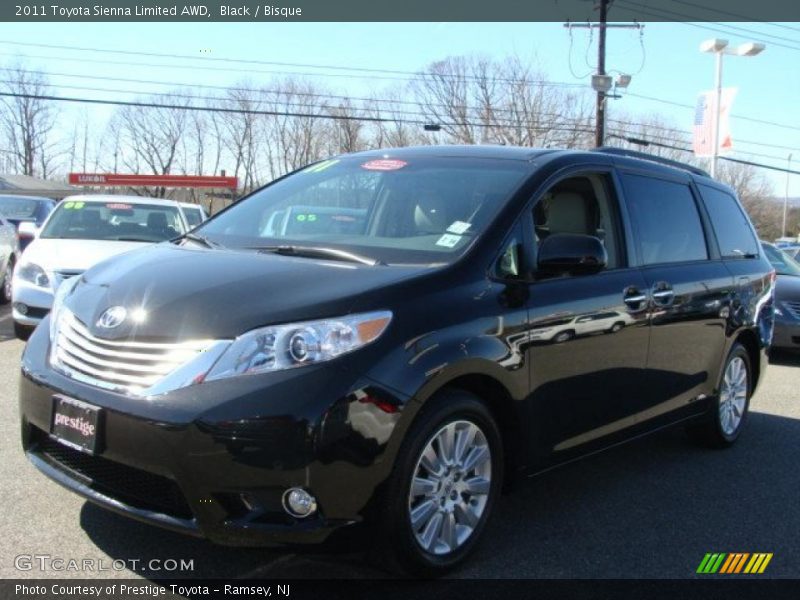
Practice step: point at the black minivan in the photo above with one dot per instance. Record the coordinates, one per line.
(387, 338)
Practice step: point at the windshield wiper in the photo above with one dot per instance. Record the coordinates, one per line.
(319, 252)
(196, 237)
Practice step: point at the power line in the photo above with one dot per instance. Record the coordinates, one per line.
(375, 108)
(645, 142)
(335, 117)
(684, 18)
(366, 73)
(255, 90)
(507, 80)
(736, 15)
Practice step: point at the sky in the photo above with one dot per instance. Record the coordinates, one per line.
(665, 63)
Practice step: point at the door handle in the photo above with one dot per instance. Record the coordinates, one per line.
(663, 293)
(634, 299)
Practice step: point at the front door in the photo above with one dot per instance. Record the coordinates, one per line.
(588, 334)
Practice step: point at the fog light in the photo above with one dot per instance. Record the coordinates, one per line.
(21, 308)
(299, 503)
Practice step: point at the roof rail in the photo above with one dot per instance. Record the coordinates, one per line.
(651, 157)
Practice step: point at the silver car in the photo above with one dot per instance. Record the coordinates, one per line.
(9, 257)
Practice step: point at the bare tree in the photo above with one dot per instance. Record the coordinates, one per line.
(347, 131)
(296, 135)
(152, 135)
(240, 132)
(27, 122)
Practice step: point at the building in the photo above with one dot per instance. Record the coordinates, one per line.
(25, 185)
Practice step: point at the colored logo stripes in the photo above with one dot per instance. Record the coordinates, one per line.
(734, 562)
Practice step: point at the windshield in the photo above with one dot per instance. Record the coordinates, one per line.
(119, 221)
(193, 215)
(18, 208)
(783, 263)
(422, 211)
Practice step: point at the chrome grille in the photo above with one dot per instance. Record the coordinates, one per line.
(124, 365)
(794, 308)
(61, 276)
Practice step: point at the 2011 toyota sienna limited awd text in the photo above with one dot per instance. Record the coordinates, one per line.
(360, 342)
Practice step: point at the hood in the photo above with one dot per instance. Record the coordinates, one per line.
(787, 288)
(198, 293)
(74, 255)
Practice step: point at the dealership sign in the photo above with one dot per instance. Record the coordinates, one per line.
(186, 181)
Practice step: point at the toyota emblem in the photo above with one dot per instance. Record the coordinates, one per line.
(112, 317)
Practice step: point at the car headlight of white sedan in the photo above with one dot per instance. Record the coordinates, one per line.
(33, 273)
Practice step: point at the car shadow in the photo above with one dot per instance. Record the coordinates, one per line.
(6, 324)
(784, 358)
(650, 508)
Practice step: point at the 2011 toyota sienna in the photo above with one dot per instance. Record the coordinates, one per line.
(359, 343)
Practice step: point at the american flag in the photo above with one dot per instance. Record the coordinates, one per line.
(703, 138)
(703, 131)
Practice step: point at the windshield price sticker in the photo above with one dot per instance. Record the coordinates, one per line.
(458, 227)
(384, 165)
(448, 240)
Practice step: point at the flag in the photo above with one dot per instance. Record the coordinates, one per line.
(704, 113)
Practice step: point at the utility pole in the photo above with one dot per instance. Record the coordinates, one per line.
(600, 77)
(786, 195)
(600, 108)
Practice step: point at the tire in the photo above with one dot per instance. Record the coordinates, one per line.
(23, 332)
(617, 326)
(5, 290)
(440, 500)
(563, 336)
(729, 411)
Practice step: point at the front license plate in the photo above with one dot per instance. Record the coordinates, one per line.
(75, 424)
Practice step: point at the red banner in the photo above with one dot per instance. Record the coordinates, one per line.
(189, 181)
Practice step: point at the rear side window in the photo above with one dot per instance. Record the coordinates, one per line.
(666, 220)
(735, 237)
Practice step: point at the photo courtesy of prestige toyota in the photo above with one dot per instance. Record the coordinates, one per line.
(381, 343)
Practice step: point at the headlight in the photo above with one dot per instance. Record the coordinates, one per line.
(34, 274)
(64, 290)
(287, 346)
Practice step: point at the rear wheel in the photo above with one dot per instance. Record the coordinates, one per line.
(727, 417)
(564, 336)
(445, 482)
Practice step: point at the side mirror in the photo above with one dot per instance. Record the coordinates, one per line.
(27, 229)
(571, 254)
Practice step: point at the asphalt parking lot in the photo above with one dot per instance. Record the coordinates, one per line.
(650, 509)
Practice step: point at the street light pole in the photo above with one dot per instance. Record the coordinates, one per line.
(717, 111)
(720, 47)
(786, 194)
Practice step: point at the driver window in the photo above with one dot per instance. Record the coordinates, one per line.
(583, 205)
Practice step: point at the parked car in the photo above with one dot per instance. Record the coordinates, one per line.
(792, 251)
(80, 232)
(787, 298)
(9, 257)
(27, 213)
(193, 213)
(295, 387)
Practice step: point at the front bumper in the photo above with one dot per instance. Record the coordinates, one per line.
(213, 460)
(37, 299)
(786, 334)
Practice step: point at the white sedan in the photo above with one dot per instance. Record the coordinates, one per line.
(79, 233)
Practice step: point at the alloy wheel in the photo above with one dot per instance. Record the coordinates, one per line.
(450, 487)
(733, 396)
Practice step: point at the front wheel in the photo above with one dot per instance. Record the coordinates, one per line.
(445, 482)
(728, 415)
(22, 332)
